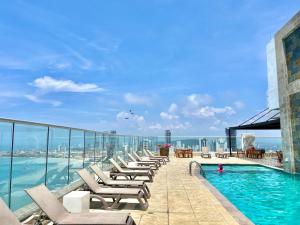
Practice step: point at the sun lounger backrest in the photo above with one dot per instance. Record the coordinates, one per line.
(100, 173)
(122, 161)
(220, 150)
(146, 153)
(88, 179)
(116, 165)
(131, 157)
(6, 216)
(150, 153)
(47, 202)
(205, 150)
(137, 156)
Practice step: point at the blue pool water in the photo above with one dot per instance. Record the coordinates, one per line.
(266, 196)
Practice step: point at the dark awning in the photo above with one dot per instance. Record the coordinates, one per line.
(268, 119)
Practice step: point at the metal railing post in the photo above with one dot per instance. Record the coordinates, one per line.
(69, 155)
(47, 153)
(83, 149)
(11, 163)
(95, 147)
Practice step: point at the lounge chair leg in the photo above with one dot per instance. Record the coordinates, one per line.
(146, 191)
(144, 204)
(116, 202)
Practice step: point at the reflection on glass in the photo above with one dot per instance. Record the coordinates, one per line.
(89, 154)
(5, 157)
(29, 161)
(109, 149)
(99, 145)
(76, 153)
(58, 154)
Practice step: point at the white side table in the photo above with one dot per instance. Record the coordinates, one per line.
(77, 201)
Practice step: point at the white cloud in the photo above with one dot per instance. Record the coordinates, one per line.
(36, 99)
(173, 108)
(49, 84)
(198, 105)
(168, 116)
(178, 126)
(172, 126)
(208, 111)
(199, 99)
(156, 126)
(137, 99)
(239, 104)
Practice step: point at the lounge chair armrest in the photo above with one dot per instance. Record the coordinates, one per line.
(105, 205)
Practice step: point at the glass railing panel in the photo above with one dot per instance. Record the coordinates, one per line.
(120, 148)
(90, 141)
(127, 146)
(5, 159)
(29, 161)
(58, 158)
(99, 145)
(76, 153)
(109, 149)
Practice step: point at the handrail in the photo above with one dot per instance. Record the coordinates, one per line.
(200, 168)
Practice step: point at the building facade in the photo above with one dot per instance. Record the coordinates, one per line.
(287, 45)
(168, 136)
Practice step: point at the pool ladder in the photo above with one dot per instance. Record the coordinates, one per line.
(202, 172)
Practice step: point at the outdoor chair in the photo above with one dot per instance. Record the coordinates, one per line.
(144, 163)
(126, 166)
(56, 212)
(7, 217)
(221, 154)
(116, 194)
(146, 159)
(205, 153)
(163, 159)
(104, 179)
(132, 174)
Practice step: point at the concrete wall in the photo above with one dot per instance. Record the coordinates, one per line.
(287, 44)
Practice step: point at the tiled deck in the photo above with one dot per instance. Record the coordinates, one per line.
(178, 198)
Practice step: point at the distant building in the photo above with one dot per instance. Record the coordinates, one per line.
(203, 142)
(168, 136)
(212, 145)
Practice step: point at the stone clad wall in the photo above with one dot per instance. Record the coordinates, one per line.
(292, 55)
(287, 43)
(295, 125)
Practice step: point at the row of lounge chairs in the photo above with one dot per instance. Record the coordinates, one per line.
(101, 188)
(219, 154)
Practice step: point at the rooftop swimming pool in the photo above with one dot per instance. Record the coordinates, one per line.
(264, 195)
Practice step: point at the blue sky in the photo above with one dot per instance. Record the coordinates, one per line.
(193, 66)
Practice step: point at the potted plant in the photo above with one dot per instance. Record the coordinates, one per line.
(164, 149)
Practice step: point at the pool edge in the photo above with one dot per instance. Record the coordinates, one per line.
(239, 217)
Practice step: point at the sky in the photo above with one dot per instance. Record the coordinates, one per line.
(137, 66)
